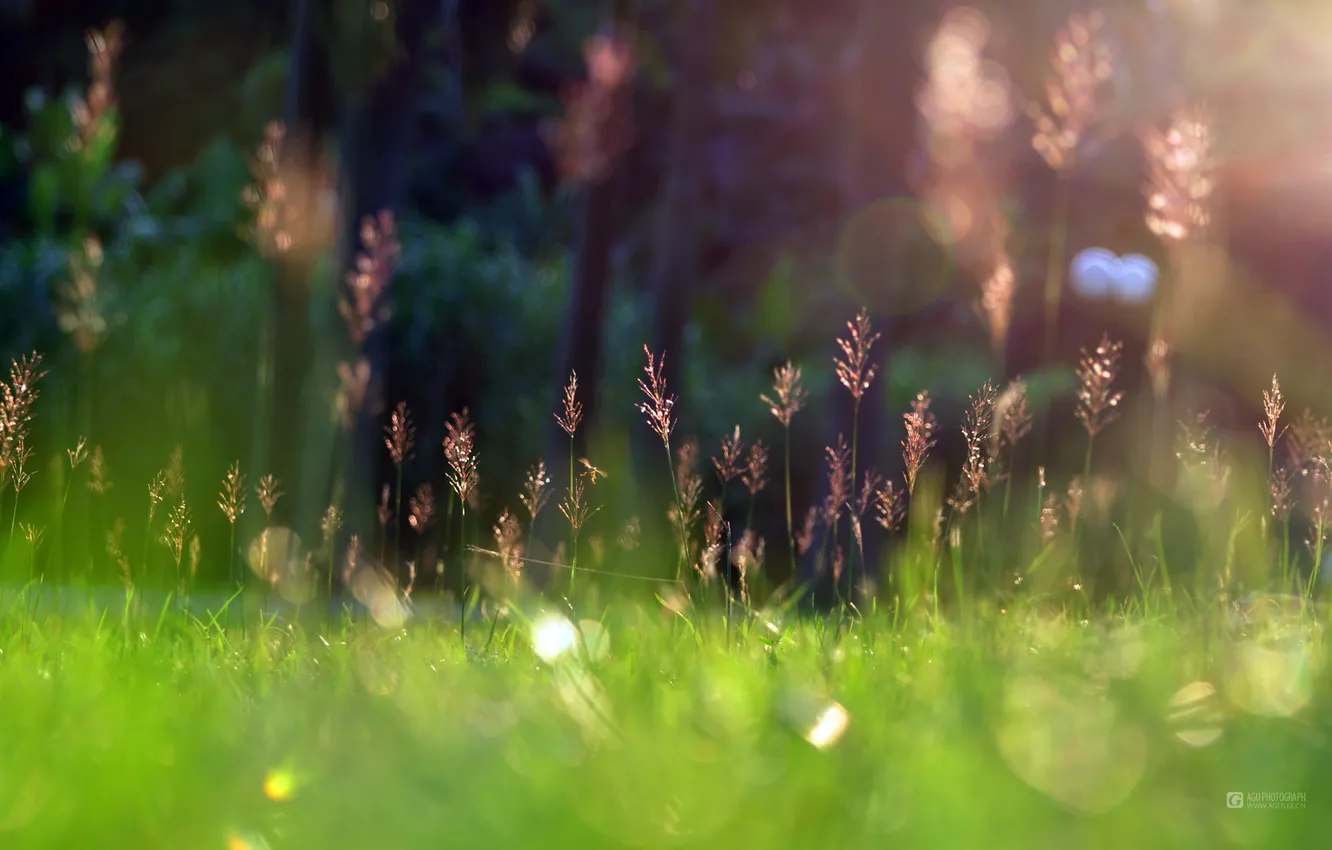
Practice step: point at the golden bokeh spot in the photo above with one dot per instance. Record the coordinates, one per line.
(245, 841)
(280, 784)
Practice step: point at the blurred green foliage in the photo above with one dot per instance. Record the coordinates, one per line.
(1014, 729)
(480, 302)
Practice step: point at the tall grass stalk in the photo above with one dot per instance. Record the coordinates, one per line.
(462, 576)
(569, 417)
(856, 373)
(659, 410)
(858, 548)
(460, 452)
(787, 399)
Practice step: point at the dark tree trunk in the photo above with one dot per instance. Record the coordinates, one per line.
(311, 117)
(377, 144)
(582, 348)
(375, 130)
(677, 249)
(583, 344)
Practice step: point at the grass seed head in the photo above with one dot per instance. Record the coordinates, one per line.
(714, 527)
(1081, 64)
(889, 507)
(920, 427)
(1281, 494)
(17, 397)
(232, 498)
(660, 404)
(460, 452)
(854, 370)
(78, 454)
(536, 490)
(575, 505)
(689, 484)
(571, 414)
(78, 309)
(755, 474)
(508, 536)
(1097, 403)
(1180, 176)
(400, 435)
(421, 508)
(99, 477)
(596, 129)
(269, 490)
(91, 113)
(839, 483)
(330, 524)
(21, 475)
(1273, 406)
(268, 197)
(177, 530)
(790, 394)
(1309, 438)
(728, 465)
(364, 308)
(804, 538)
(996, 301)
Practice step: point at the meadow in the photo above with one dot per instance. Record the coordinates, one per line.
(971, 706)
(1100, 630)
(1024, 728)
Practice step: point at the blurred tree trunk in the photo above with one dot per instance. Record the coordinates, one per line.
(877, 138)
(582, 348)
(680, 225)
(378, 140)
(373, 120)
(311, 117)
(600, 212)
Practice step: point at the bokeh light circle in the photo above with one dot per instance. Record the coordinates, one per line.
(890, 255)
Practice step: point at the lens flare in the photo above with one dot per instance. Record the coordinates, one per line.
(594, 644)
(1276, 657)
(893, 253)
(1066, 740)
(374, 588)
(829, 727)
(1195, 714)
(553, 636)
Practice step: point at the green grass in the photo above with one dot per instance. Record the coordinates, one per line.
(1020, 729)
(1009, 695)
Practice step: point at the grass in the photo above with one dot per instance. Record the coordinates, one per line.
(1025, 674)
(963, 703)
(1022, 728)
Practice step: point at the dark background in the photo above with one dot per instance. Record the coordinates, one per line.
(761, 130)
